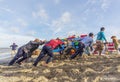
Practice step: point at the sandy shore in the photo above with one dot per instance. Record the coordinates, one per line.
(87, 69)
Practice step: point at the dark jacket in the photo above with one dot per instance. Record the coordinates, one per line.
(31, 46)
(13, 46)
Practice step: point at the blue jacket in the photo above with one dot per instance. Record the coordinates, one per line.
(101, 36)
(87, 41)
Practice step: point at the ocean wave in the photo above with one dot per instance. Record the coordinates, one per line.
(5, 55)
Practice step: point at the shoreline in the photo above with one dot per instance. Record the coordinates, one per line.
(5, 60)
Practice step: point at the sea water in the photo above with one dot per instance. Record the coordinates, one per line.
(5, 53)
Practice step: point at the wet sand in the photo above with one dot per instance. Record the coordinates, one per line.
(87, 69)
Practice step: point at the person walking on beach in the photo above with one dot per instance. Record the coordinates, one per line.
(101, 38)
(48, 49)
(25, 51)
(14, 49)
(83, 43)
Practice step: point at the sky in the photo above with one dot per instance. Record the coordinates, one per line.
(25, 20)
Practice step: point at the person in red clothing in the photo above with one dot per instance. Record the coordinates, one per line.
(48, 49)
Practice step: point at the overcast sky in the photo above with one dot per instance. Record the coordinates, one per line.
(24, 20)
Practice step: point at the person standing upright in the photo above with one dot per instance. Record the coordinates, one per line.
(14, 49)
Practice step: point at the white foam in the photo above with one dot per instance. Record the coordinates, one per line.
(5, 55)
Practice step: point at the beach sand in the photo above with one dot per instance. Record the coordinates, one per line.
(86, 69)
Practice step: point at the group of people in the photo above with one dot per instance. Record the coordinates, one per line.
(26, 50)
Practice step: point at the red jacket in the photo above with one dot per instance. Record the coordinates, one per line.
(54, 43)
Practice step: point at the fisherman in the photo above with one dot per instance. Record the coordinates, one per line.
(25, 51)
(101, 39)
(101, 35)
(48, 49)
(83, 43)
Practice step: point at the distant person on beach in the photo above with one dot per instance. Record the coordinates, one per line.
(48, 49)
(83, 43)
(25, 51)
(14, 49)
